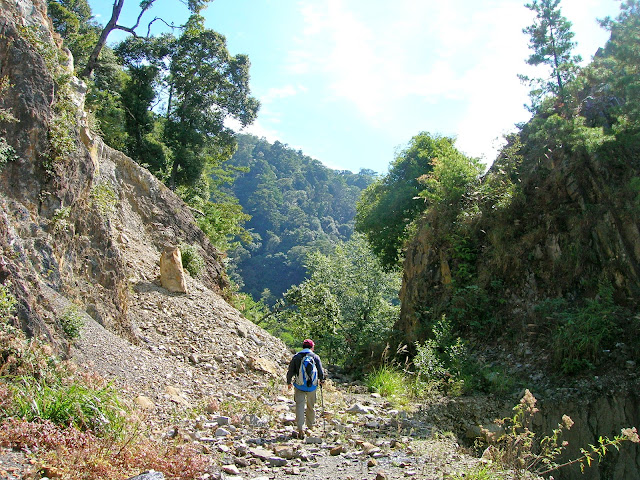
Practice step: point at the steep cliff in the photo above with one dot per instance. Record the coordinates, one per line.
(77, 216)
(570, 234)
(537, 270)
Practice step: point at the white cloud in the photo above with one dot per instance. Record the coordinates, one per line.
(401, 63)
(281, 92)
(415, 49)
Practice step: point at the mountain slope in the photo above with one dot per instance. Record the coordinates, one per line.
(297, 205)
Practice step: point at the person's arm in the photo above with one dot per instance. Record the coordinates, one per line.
(292, 370)
(321, 375)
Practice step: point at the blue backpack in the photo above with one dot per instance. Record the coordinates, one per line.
(307, 378)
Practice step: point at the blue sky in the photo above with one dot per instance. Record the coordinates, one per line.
(349, 82)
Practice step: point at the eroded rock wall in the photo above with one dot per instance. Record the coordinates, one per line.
(90, 223)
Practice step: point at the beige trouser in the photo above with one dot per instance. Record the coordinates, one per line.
(303, 399)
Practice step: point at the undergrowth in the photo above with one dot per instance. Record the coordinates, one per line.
(192, 261)
(71, 322)
(74, 424)
(386, 380)
(582, 333)
(518, 449)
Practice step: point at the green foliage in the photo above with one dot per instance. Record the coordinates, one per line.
(443, 358)
(449, 180)
(60, 133)
(390, 205)
(192, 261)
(41, 388)
(481, 472)
(72, 19)
(296, 204)
(222, 220)
(71, 322)
(347, 305)
(7, 302)
(5, 115)
(62, 125)
(76, 405)
(60, 219)
(207, 86)
(103, 101)
(257, 312)
(104, 198)
(581, 333)
(551, 42)
(616, 74)
(7, 153)
(518, 450)
(188, 144)
(93, 435)
(472, 308)
(386, 380)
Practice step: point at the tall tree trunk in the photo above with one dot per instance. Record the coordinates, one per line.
(93, 58)
(174, 175)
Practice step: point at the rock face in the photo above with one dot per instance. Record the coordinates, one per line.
(171, 271)
(605, 415)
(86, 221)
(576, 226)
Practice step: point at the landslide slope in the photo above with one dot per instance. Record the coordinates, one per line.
(82, 228)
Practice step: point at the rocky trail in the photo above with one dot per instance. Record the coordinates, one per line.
(201, 373)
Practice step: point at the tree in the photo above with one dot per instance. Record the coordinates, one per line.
(206, 87)
(551, 42)
(617, 68)
(349, 303)
(195, 6)
(72, 19)
(143, 62)
(389, 206)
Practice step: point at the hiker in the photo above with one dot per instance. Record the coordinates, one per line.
(306, 373)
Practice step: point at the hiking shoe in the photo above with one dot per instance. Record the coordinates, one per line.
(299, 434)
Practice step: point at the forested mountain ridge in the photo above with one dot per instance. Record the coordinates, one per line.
(296, 205)
(540, 257)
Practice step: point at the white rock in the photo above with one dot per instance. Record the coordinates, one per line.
(230, 469)
(359, 408)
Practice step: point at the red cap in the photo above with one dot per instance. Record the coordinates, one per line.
(308, 343)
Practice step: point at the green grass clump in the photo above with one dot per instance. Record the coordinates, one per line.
(36, 386)
(481, 472)
(84, 406)
(76, 422)
(386, 380)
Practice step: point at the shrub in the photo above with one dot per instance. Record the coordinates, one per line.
(192, 261)
(519, 450)
(7, 302)
(441, 355)
(71, 322)
(581, 333)
(104, 198)
(60, 219)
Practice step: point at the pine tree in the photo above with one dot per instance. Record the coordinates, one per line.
(551, 41)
